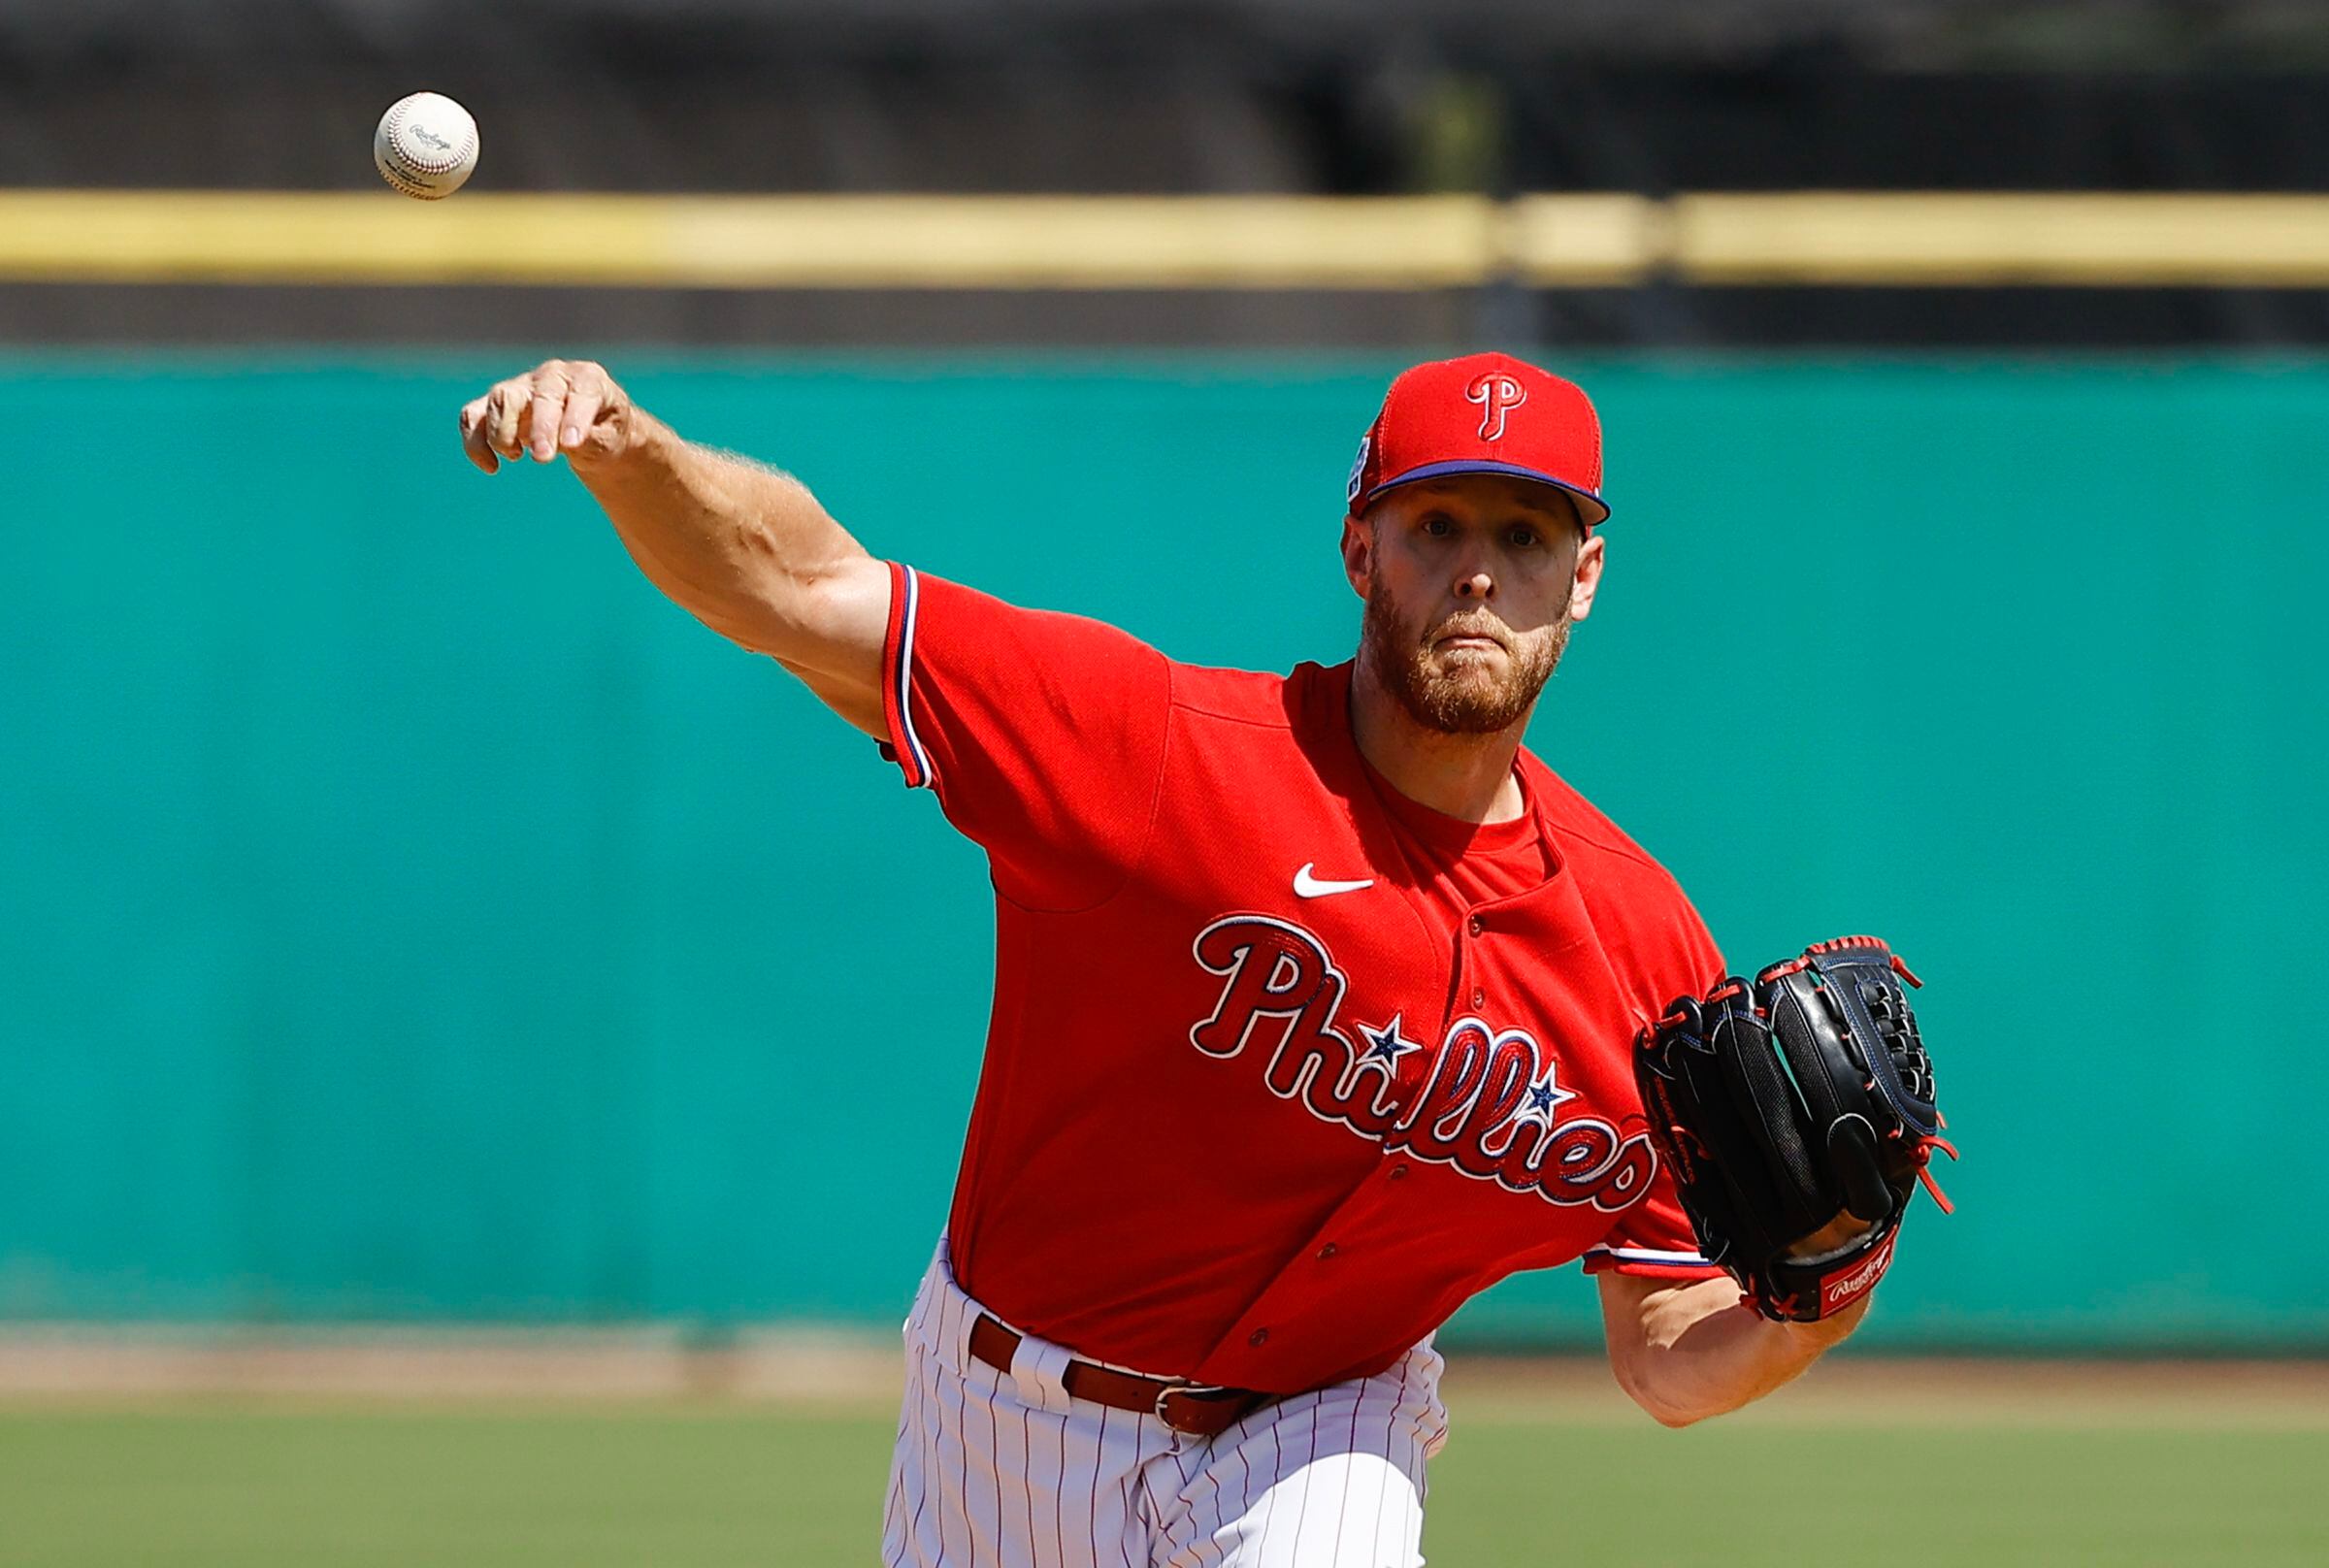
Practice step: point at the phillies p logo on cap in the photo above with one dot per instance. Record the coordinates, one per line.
(1494, 391)
(1482, 413)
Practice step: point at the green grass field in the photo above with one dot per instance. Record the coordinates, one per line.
(679, 1486)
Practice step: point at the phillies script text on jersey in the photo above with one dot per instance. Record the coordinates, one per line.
(1490, 1107)
(1282, 1066)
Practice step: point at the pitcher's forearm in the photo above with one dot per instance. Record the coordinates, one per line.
(1715, 1362)
(745, 550)
(1689, 1353)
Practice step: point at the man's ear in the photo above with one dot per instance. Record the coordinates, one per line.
(1588, 578)
(1358, 553)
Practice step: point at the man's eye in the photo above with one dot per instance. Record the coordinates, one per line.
(1437, 527)
(1523, 537)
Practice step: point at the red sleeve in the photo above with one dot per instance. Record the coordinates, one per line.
(1042, 735)
(1654, 1237)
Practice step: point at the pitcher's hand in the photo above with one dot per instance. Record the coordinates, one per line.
(561, 405)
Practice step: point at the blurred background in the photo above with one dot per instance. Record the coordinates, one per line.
(471, 1088)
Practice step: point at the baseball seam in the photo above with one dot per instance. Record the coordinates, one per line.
(403, 165)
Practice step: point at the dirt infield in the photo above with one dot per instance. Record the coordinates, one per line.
(1937, 1391)
(452, 1365)
(839, 1369)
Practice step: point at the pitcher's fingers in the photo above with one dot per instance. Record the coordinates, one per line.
(508, 406)
(473, 435)
(541, 414)
(582, 412)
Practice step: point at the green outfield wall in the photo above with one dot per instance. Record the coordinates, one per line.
(410, 915)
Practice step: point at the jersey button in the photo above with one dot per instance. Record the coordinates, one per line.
(1257, 1338)
(1478, 998)
(1477, 924)
(1328, 1251)
(1397, 1173)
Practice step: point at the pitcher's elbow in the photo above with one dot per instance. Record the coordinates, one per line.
(1672, 1416)
(1652, 1404)
(1665, 1407)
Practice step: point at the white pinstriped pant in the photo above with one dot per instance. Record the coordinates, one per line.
(1002, 1468)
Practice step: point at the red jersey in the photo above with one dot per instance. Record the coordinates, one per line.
(1282, 1066)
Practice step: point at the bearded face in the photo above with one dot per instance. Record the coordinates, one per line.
(1466, 673)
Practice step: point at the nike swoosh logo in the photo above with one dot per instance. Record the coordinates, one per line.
(1307, 886)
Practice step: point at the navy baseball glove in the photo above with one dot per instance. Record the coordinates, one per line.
(1784, 1104)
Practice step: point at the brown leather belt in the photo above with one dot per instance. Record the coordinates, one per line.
(1196, 1409)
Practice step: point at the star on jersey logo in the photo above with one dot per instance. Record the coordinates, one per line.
(1540, 1098)
(1387, 1044)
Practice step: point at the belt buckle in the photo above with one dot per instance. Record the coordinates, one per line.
(1197, 1391)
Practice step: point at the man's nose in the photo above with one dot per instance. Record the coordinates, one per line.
(1475, 584)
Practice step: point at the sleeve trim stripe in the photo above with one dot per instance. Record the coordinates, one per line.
(1651, 1254)
(917, 759)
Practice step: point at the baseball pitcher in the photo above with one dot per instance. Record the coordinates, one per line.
(1320, 1005)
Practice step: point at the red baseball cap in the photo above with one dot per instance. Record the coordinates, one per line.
(1482, 413)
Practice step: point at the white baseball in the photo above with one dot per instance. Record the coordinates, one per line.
(426, 146)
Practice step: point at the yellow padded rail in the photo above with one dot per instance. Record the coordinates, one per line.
(1806, 239)
(2082, 239)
